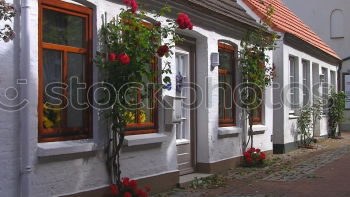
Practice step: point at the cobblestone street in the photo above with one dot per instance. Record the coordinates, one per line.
(324, 171)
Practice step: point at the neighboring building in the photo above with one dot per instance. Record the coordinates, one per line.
(328, 20)
(305, 66)
(40, 162)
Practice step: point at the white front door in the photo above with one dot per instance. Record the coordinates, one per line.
(183, 131)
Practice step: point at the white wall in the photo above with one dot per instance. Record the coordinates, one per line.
(9, 127)
(290, 126)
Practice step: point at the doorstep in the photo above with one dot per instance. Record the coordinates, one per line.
(185, 180)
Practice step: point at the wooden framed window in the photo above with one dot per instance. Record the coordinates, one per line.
(145, 118)
(65, 64)
(226, 85)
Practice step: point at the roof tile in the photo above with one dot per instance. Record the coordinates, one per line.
(284, 20)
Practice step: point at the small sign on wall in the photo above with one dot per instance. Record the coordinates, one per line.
(346, 83)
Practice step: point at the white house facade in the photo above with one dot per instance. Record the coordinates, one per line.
(330, 25)
(208, 139)
(306, 71)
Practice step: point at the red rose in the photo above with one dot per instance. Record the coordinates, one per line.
(162, 50)
(114, 189)
(126, 2)
(127, 194)
(133, 184)
(124, 59)
(148, 188)
(184, 21)
(125, 182)
(158, 24)
(257, 150)
(134, 6)
(112, 57)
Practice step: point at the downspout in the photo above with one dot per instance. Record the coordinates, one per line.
(26, 166)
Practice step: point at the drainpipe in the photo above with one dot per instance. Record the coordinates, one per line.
(24, 125)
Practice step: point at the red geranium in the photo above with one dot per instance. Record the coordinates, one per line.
(162, 50)
(112, 57)
(251, 150)
(184, 21)
(124, 59)
(133, 184)
(125, 182)
(249, 159)
(262, 156)
(114, 189)
(257, 150)
(141, 193)
(127, 194)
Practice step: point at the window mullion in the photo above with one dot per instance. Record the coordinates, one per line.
(66, 90)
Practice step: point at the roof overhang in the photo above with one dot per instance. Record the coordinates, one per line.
(297, 43)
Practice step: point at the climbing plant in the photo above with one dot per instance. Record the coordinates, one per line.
(7, 13)
(256, 75)
(131, 46)
(304, 124)
(336, 111)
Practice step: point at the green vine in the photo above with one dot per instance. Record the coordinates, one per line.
(128, 63)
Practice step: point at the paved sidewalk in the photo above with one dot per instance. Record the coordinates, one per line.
(304, 173)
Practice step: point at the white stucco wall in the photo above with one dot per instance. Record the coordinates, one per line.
(85, 170)
(290, 126)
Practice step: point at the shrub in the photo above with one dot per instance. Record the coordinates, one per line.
(254, 158)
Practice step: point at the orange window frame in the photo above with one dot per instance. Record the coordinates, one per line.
(62, 133)
(227, 121)
(146, 127)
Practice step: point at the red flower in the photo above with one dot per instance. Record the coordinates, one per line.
(262, 156)
(124, 59)
(158, 24)
(246, 154)
(184, 21)
(114, 189)
(127, 194)
(141, 193)
(112, 57)
(257, 150)
(134, 6)
(148, 188)
(162, 50)
(249, 159)
(133, 184)
(251, 150)
(125, 182)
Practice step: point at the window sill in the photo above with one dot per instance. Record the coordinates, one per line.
(224, 132)
(292, 116)
(136, 140)
(259, 129)
(64, 148)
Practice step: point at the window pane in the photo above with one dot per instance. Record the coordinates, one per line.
(64, 29)
(75, 110)
(221, 97)
(226, 60)
(52, 71)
